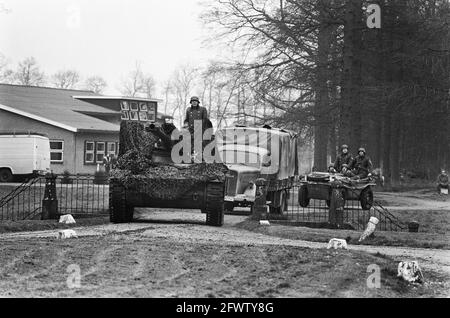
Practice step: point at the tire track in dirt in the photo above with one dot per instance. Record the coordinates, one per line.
(141, 259)
(99, 259)
(11, 264)
(431, 258)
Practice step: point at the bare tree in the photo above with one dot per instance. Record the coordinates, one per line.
(167, 91)
(28, 73)
(183, 84)
(138, 84)
(95, 84)
(66, 79)
(4, 9)
(6, 74)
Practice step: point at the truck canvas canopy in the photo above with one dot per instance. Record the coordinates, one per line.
(280, 147)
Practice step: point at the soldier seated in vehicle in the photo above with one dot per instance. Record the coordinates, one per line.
(442, 181)
(344, 158)
(361, 166)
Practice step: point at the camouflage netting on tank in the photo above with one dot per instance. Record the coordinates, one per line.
(134, 138)
(170, 182)
(137, 172)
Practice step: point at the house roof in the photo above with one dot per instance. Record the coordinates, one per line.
(90, 97)
(56, 107)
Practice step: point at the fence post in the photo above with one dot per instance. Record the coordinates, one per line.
(260, 205)
(336, 210)
(50, 201)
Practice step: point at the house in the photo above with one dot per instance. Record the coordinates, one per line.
(83, 127)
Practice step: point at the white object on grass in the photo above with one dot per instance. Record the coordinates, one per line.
(264, 222)
(410, 271)
(65, 234)
(67, 219)
(371, 226)
(337, 244)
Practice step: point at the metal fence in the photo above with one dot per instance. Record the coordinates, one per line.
(317, 214)
(76, 194)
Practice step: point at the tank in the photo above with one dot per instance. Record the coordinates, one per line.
(146, 177)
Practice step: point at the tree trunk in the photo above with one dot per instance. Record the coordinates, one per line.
(351, 86)
(322, 107)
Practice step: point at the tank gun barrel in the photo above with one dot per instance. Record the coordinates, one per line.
(157, 131)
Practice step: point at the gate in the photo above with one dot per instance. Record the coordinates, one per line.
(353, 217)
(78, 195)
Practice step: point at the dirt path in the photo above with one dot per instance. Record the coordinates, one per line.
(414, 200)
(172, 225)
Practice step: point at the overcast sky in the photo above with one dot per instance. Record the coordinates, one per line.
(104, 37)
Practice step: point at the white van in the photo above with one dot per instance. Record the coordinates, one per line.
(23, 154)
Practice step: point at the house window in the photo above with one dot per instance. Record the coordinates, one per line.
(95, 151)
(111, 148)
(89, 152)
(56, 151)
(100, 152)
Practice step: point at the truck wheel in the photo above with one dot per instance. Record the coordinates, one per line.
(6, 175)
(228, 207)
(214, 204)
(303, 199)
(119, 211)
(366, 198)
(286, 201)
(280, 209)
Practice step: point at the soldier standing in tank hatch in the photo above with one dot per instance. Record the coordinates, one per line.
(193, 114)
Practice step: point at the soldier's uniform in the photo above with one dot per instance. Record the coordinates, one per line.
(362, 165)
(196, 113)
(442, 181)
(341, 160)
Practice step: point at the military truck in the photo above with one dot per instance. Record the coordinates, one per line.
(258, 152)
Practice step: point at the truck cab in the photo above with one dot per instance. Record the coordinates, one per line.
(251, 153)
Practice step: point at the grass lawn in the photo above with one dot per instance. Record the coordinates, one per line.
(434, 234)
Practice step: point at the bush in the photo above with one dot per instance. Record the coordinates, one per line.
(101, 177)
(66, 178)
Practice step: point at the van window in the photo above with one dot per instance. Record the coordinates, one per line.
(56, 151)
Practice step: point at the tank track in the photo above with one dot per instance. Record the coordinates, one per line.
(214, 206)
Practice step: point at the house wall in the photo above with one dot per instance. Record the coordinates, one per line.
(81, 138)
(74, 143)
(13, 122)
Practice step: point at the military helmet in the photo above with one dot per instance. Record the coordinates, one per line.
(362, 149)
(344, 146)
(195, 99)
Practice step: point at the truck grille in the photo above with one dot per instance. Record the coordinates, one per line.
(231, 183)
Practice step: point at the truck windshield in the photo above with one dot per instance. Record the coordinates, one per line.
(233, 157)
